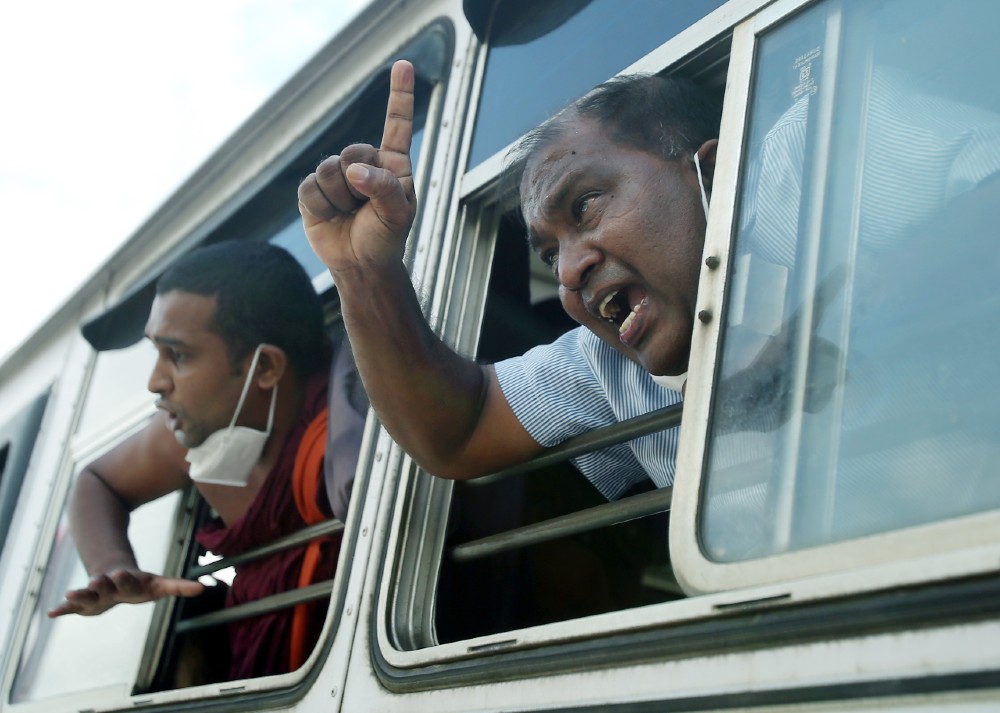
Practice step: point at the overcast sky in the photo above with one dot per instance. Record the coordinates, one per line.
(107, 106)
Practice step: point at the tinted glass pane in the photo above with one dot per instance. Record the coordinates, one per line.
(528, 78)
(858, 391)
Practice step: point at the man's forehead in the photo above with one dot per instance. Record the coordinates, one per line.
(578, 147)
(176, 313)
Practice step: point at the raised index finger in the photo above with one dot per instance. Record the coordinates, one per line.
(398, 132)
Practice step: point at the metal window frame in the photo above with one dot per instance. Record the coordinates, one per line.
(901, 557)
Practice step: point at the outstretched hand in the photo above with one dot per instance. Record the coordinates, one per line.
(357, 207)
(123, 586)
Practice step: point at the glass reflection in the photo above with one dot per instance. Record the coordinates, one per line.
(857, 391)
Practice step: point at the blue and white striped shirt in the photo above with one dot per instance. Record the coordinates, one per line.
(579, 383)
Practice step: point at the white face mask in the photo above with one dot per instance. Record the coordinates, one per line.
(228, 456)
(671, 382)
(676, 382)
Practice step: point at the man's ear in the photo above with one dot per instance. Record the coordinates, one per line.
(271, 366)
(706, 159)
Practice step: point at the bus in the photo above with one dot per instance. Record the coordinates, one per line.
(831, 540)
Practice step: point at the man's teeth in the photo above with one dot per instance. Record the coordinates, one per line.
(608, 309)
(631, 316)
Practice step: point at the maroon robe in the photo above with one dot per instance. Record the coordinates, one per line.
(260, 645)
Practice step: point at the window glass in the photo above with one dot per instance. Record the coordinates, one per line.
(75, 653)
(118, 385)
(17, 440)
(857, 392)
(270, 215)
(543, 58)
(292, 237)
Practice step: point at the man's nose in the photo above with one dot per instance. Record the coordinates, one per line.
(577, 260)
(158, 382)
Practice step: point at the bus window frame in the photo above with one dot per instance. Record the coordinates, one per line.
(895, 558)
(403, 634)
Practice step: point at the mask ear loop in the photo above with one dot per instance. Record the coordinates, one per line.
(701, 185)
(270, 413)
(246, 390)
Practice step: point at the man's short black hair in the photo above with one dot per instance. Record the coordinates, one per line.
(262, 295)
(663, 115)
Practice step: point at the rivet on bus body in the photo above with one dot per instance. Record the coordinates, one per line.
(349, 611)
(705, 316)
(378, 456)
(712, 261)
(364, 532)
(333, 692)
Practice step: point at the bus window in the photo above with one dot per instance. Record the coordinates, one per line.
(17, 439)
(510, 551)
(592, 572)
(856, 394)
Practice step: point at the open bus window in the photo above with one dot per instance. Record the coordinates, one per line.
(512, 551)
(440, 594)
(857, 392)
(566, 577)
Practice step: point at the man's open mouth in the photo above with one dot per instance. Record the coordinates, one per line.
(621, 306)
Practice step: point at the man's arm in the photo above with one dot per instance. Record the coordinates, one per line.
(144, 467)
(447, 412)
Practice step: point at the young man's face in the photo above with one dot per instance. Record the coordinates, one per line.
(623, 230)
(193, 375)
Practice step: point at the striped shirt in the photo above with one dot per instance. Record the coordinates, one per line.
(920, 151)
(579, 383)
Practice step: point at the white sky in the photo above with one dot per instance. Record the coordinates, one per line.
(107, 106)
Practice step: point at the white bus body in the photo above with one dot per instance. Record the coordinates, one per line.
(803, 600)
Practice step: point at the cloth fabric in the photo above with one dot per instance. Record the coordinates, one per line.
(260, 645)
(579, 383)
(348, 413)
(306, 483)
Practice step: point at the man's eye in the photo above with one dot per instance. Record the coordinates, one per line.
(551, 259)
(582, 205)
(177, 357)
